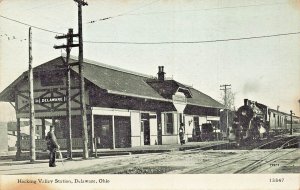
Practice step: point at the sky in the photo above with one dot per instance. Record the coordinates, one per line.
(264, 69)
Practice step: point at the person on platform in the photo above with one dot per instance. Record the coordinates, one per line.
(181, 134)
(52, 146)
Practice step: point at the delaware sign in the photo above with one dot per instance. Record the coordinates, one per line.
(50, 100)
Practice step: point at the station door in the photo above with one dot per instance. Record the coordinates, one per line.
(122, 132)
(103, 131)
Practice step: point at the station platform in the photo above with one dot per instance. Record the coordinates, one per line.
(42, 156)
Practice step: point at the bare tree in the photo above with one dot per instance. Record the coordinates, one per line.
(230, 99)
(226, 116)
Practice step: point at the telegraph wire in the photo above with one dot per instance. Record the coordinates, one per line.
(12, 37)
(121, 14)
(193, 42)
(36, 27)
(205, 9)
(7, 37)
(128, 13)
(163, 42)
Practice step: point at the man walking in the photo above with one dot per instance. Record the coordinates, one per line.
(52, 146)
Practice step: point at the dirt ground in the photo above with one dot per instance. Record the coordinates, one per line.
(176, 162)
(198, 162)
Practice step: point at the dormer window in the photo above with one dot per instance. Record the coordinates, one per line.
(187, 93)
(179, 97)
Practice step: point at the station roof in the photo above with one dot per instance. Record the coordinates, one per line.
(281, 113)
(119, 81)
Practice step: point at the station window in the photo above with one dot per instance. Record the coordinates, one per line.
(169, 123)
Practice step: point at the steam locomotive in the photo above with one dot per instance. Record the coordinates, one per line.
(254, 121)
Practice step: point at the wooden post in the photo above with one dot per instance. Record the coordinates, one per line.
(93, 140)
(68, 94)
(43, 128)
(113, 132)
(18, 154)
(225, 88)
(70, 44)
(291, 130)
(96, 151)
(159, 128)
(82, 85)
(31, 103)
(53, 124)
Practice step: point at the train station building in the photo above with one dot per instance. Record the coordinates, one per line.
(124, 108)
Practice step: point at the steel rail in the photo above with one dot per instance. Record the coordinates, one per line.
(259, 147)
(260, 171)
(264, 162)
(227, 162)
(221, 163)
(258, 163)
(284, 145)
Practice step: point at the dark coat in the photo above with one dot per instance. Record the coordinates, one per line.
(51, 141)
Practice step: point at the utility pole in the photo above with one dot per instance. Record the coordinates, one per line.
(82, 85)
(68, 47)
(31, 102)
(226, 87)
(291, 130)
(278, 124)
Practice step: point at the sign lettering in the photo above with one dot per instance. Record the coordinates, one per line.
(179, 98)
(50, 100)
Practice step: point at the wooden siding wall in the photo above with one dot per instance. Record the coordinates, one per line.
(47, 109)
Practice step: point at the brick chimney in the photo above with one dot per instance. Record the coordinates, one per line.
(161, 73)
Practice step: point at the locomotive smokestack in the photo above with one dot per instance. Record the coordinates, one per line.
(245, 102)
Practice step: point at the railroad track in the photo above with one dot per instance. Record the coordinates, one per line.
(219, 164)
(278, 142)
(265, 160)
(270, 157)
(212, 146)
